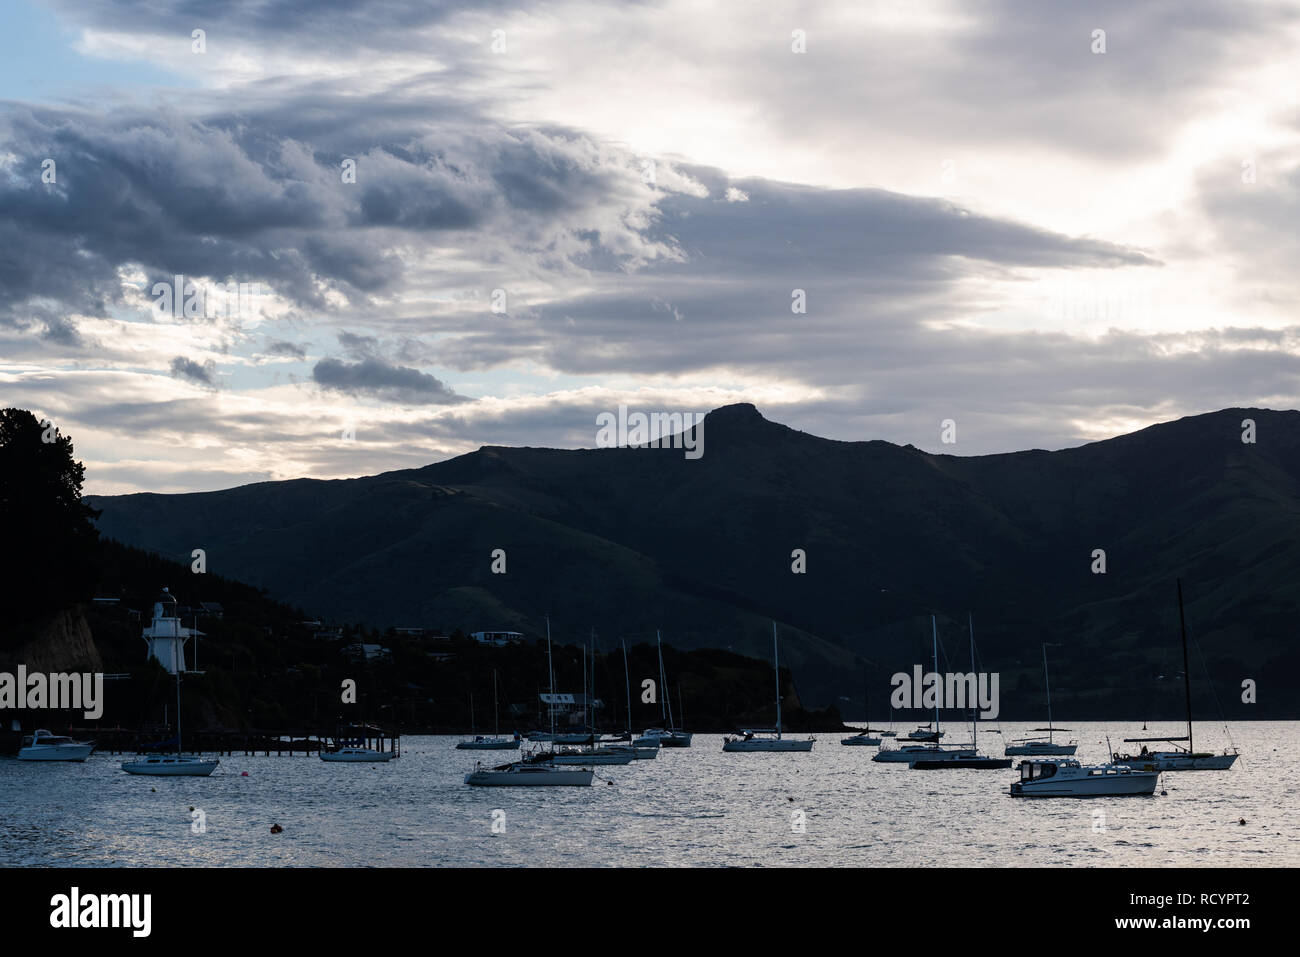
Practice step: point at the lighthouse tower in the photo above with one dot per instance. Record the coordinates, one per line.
(166, 636)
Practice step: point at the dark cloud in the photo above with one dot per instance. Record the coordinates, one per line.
(191, 371)
(282, 348)
(383, 380)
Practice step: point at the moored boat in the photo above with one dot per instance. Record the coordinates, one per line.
(1069, 778)
(44, 746)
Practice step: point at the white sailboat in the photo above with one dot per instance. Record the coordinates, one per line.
(1038, 746)
(673, 737)
(768, 740)
(480, 742)
(908, 753)
(863, 737)
(974, 760)
(44, 746)
(1179, 759)
(353, 755)
(537, 770)
(172, 765)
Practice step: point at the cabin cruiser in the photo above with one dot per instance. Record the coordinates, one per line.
(357, 755)
(529, 774)
(44, 746)
(1068, 778)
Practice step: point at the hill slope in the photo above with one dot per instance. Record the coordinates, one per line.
(630, 540)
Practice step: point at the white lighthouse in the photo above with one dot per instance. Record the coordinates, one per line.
(166, 636)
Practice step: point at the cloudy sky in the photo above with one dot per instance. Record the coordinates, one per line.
(462, 224)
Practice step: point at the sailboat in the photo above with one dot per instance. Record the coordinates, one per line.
(907, 753)
(973, 759)
(771, 740)
(1179, 759)
(1037, 746)
(672, 737)
(863, 737)
(481, 742)
(642, 749)
(534, 770)
(172, 765)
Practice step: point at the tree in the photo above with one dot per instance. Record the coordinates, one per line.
(50, 551)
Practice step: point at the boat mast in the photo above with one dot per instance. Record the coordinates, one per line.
(496, 709)
(1187, 674)
(471, 712)
(627, 680)
(550, 669)
(178, 715)
(586, 713)
(776, 667)
(970, 624)
(934, 630)
(665, 696)
(1047, 681)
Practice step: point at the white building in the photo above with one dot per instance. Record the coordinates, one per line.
(499, 638)
(166, 636)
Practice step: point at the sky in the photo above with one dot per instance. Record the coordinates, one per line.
(420, 227)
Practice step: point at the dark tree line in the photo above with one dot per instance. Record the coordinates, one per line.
(49, 559)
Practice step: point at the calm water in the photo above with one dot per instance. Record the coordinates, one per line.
(694, 806)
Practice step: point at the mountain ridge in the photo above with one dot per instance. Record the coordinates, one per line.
(632, 539)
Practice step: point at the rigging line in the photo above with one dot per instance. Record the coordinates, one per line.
(1210, 680)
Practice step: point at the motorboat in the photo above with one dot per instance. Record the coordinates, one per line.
(1068, 778)
(44, 746)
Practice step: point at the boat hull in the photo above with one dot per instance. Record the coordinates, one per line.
(506, 744)
(1177, 761)
(1040, 750)
(373, 757)
(860, 740)
(171, 768)
(588, 759)
(778, 745)
(531, 777)
(1139, 783)
(78, 752)
(907, 755)
(976, 764)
